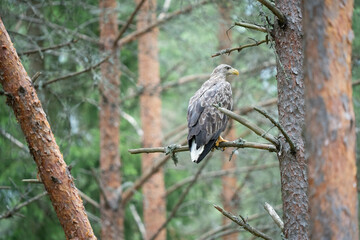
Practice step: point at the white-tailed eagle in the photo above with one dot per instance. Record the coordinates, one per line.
(205, 122)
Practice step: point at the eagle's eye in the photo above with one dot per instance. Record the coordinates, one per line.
(227, 68)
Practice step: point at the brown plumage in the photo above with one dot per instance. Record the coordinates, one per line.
(205, 122)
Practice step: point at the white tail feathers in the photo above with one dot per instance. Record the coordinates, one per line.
(195, 153)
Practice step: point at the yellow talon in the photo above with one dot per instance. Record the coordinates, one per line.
(220, 139)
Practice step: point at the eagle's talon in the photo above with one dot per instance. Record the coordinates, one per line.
(220, 140)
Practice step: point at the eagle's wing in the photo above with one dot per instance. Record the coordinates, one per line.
(205, 122)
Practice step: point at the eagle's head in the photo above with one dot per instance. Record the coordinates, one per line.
(225, 70)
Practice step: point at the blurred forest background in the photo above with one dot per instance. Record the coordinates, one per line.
(72, 104)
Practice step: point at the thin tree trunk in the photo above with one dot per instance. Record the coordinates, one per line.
(154, 205)
(330, 120)
(229, 182)
(55, 175)
(112, 218)
(291, 107)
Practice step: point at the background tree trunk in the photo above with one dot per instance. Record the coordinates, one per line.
(291, 107)
(154, 205)
(229, 182)
(330, 120)
(110, 178)
(55, 175)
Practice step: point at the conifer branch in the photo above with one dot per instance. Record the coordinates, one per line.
(241, 47)
(240, 143)
(251, 26)
(33, 51)
(243, 223)
(277, 124)
(275, 11)
(253, 127)
(14, 210)
(274, 215)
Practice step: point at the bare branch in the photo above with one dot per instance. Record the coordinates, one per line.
(256, 129)
(132, 122)
(274, 215)
(14, 210)
(37, 181)
(277, 124)
(182, 198)
(127, 24)
(133, 36)
(138, 221)
(240, 143)
(73, 74)
(89, 199)
(58, 27)
(251, 26)
(14, 140)
(228, 226)
(47, 48)
(35, 77)
(229, 50)
(243, 223)
(275, 11)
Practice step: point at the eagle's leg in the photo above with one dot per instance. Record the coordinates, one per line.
(220, 139)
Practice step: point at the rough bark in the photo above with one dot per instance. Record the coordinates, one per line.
(330, 120)
(229, 182)
(154, 205)
(56, 177)
(291, 107)
(112, 218)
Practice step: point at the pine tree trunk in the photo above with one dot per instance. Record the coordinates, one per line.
(56, 177)
(330, 120)
(291, 107)
(154, 205)
(112, 216)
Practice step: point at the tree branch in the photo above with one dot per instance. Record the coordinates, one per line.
(241, 47)
(138, 221)
(251, 26)
(274, 215)
(240, 143)
(73, 74)
(14, 140)
(59, 27)
(182, 198)
(256, 129)
(35, 77)
(133, 36)
(275, 11)
(14, 210)
(128, 22)
(47, 48)
(277, 124)
(89, 199)
(243, 223)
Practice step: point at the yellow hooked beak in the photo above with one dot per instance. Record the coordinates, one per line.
(233, 71)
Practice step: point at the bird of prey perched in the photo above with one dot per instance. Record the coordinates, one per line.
(205, 122)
